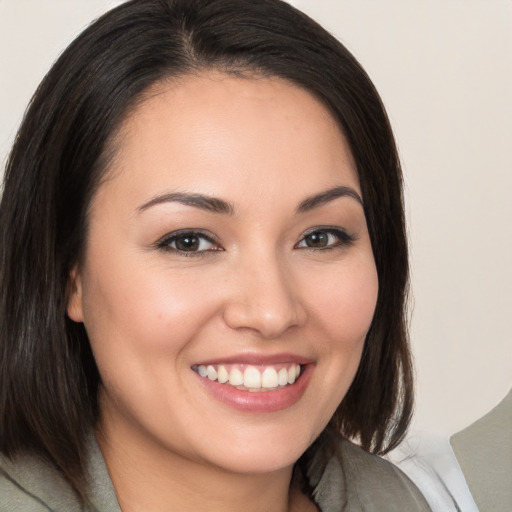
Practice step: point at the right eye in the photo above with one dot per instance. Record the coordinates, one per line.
(189, 243)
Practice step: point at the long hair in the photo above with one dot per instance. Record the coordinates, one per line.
(48, 377)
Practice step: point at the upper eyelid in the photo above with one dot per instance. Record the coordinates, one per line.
(197, 232)
(322, 228)
(328, 229)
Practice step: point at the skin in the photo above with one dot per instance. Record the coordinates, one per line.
(264, 146)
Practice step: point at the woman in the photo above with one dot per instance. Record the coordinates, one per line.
(203, 272)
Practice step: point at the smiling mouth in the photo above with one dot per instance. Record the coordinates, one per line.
(251, 377)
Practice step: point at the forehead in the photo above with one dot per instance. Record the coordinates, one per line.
(227, 135)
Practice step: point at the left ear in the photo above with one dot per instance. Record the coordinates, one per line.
(75, 302)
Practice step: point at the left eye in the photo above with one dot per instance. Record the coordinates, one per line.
(189, 242)
(325, 239)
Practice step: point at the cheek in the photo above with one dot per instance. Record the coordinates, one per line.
(341, 303)
(154, 310)
(140, 329)
(344, 305)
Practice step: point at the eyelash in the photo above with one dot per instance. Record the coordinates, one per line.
(343, 239)
(165, 243)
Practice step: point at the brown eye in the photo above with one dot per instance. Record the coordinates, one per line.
(317, 239)
(327, 238)
(188, 242)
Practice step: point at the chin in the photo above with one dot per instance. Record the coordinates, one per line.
(259, 454)
(259, 461)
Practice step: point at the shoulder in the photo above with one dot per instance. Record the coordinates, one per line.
(356, 481)
(484, 452)
(376, 480)
(29, 484)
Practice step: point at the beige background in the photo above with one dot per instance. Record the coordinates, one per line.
(444, 70)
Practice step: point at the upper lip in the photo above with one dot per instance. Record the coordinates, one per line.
(258, 359)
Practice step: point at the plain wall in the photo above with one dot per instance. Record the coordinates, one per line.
(444, 70)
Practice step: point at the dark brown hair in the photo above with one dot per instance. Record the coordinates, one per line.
(48, 377)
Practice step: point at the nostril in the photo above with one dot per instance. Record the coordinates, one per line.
(268, 320)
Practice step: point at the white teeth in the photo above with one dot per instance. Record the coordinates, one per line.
(211, 372)
(282, 377)
(223, 375)
(236, 377)
(252, 378)
(269, 378)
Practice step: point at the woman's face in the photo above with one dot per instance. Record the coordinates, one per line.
(227, 251)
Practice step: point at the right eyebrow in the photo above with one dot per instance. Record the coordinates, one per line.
(204, 202)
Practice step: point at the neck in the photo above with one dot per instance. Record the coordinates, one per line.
(146, 478)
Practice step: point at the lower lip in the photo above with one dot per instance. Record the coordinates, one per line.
(260, 401)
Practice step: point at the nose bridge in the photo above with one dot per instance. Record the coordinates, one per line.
(264, 296)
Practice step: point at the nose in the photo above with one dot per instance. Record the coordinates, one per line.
(264, 299)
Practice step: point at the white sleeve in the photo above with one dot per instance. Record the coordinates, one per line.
(429, 461)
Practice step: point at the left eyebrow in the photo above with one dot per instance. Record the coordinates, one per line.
(317, 200)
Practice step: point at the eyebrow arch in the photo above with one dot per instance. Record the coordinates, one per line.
(322, 198)
(204, 202)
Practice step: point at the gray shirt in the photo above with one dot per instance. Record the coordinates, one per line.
(352, 481)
